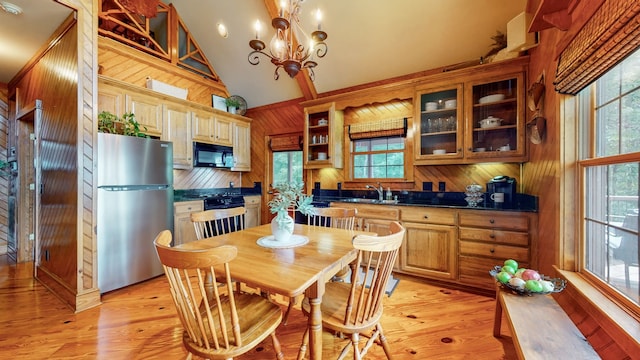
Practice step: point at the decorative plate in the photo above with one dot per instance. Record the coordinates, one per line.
(558, 284)
(270, 242)
(242, 108)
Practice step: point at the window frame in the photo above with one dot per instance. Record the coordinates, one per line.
(370, 153)
(586, 157)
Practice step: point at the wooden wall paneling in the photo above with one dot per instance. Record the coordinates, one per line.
(4, 183)
(121, 62)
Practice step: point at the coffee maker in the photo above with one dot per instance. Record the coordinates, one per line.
(502, 184)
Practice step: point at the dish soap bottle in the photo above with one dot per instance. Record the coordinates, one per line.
(389, 196)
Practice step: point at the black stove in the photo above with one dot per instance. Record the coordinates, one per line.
(223, 201)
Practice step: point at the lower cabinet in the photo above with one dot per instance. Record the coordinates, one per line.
(487, 238)
(252, 205)
(458, 246)
(183, 227)
(430, 242)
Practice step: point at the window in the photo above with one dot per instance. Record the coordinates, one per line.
(610, 175)
(287, 167)
(378, 158)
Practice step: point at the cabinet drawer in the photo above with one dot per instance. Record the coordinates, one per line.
(475, 271)
(251, 200)
(187, 206)
(371, 211)
(496, 251)
(495, 236)
(428, 215)
(495, 220)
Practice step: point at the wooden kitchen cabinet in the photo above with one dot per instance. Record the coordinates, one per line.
(223, 130)
(241, 146)
(323, 137)
(111, 99)
(184, 230)
(212, 128)
(147, 110)
(177, 129)
(429, 249)
(252, 204)
(493, 91)
(487, 238)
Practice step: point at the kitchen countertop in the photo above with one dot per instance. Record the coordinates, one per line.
(523, 202)
(191, 194)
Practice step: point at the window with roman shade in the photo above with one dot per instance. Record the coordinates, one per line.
(286, 142)
(378, 129)
(606, 39)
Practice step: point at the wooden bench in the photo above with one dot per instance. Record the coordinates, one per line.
(540, 328)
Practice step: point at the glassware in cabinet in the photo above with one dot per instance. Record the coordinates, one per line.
(323, 137)
(439, 127)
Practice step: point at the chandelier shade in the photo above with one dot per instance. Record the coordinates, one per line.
(290, 47)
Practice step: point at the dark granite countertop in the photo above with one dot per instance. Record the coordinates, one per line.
(192, 194)
(522, 202)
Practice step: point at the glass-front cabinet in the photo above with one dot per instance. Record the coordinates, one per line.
(439, 126)
(496, 114)
(323, 137)
(471, 118)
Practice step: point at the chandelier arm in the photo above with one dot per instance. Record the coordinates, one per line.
(321, 49)
(254, 59)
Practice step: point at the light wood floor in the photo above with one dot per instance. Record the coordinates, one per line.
(421, 321)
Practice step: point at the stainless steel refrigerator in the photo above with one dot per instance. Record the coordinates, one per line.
(135, 203)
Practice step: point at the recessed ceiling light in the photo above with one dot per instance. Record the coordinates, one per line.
(222, 30)
(10, 8)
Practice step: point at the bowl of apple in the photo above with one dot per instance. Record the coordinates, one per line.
(523, 281)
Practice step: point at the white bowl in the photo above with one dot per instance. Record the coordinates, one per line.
(450, 104)
(322, 156)
(491, 98)
(431, 105)
(490, 122)
(439, 151)
(323, 122)
(479, 149)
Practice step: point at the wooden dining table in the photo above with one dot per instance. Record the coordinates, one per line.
(290, 271)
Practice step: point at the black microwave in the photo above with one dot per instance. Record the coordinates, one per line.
(208, 155)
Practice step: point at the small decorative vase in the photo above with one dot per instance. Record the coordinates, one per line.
(282, 227)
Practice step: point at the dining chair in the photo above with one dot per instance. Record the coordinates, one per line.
(216, 222)
(355, 308)
(335, 217)
(226, 324)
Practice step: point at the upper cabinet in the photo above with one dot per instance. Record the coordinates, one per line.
(241, 146)
(177, 129)
(212, 128)
(323, 137)
(475, 117)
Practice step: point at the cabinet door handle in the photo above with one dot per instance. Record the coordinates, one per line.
(492, 235)
(492, 221)
(492, 250)
(426, 216)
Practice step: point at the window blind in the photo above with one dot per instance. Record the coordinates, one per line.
(376, 129)
(607, 38)
(287, 142)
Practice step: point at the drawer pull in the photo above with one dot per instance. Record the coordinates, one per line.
(426, 216)
(492, 251)
(492, 221)
(492, 235)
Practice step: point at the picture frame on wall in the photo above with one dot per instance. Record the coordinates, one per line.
(218, 102)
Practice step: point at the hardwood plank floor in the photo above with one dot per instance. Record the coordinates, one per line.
(421, 321)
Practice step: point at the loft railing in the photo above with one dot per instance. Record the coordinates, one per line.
(159, 32)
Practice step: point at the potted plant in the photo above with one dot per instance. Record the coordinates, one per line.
(232, 104)
(127, 125)
(288, 196)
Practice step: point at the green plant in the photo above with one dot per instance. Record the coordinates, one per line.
(231, 102)
(127, 125)
(5, 168)
(289, 196)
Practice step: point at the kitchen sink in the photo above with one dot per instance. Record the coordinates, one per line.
(369, 201)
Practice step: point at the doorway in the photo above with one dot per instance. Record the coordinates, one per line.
(21, 244)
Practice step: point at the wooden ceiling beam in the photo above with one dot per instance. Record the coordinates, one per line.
(304, 81)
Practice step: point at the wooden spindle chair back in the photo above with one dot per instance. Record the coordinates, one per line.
(335, 217)
(222, 324)
(216, 222)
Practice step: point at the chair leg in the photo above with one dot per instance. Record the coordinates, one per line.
(355, 340)
(292, 301)
(276, 346)
(384, 343)
(303, 345)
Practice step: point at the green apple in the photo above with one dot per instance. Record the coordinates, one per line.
(512, 263)
(533, 285)
(510, 269)
(503, 277)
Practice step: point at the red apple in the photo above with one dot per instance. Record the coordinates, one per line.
(530, 275)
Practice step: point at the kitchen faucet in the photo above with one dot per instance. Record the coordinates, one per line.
(378, 189)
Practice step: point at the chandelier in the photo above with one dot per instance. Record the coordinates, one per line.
(290, 48)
